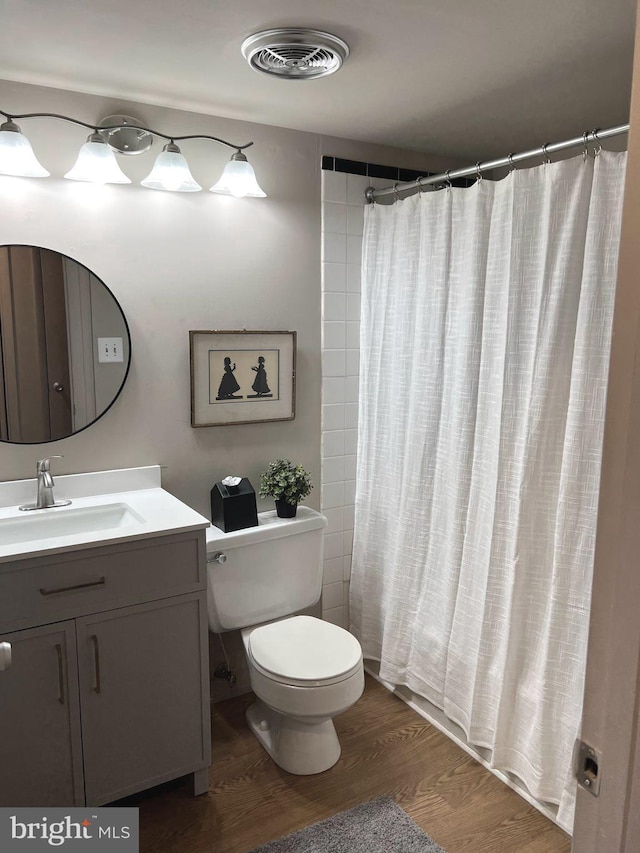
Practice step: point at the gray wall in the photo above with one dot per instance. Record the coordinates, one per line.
(106, 322)
(183, 261)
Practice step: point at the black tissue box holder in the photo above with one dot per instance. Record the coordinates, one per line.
(234, 507)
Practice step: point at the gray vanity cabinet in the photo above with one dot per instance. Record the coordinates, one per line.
(111, 695)
(141, 697)
(40, 719)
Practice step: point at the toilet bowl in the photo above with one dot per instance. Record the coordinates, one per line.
(304, 671)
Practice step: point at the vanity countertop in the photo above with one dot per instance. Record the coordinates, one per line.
(138, 510)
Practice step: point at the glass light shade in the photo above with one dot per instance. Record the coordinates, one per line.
(97, 164)
(238, 179)
(171, 172)
(16, 154)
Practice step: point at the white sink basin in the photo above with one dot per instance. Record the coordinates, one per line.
(66, 521)
(107, 507)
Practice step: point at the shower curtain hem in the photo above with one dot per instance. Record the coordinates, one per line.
(495, 761)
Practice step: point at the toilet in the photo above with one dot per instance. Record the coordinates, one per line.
(303, 671)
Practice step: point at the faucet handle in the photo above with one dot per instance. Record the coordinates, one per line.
(44, 465)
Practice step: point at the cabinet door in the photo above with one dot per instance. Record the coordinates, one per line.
(40, 744)
(144, 695)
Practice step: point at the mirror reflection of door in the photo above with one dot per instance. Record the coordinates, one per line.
(64, 345)
(35, 360)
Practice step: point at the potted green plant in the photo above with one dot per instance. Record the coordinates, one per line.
(287, 484)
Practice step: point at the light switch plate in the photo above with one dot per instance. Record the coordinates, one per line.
(110, 349)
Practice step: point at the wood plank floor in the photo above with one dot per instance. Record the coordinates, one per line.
(386, 749)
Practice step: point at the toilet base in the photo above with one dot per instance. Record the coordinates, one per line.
(298, 746)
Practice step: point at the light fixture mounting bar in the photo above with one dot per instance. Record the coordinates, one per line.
(98, 128)
(127, 139)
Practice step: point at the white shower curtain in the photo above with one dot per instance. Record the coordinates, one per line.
(484, 355)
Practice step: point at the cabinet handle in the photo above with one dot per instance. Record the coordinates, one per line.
(58, 648)
(100, 582)
(5, 656)
(96, 663)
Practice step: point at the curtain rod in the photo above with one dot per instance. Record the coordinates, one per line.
(594, 136)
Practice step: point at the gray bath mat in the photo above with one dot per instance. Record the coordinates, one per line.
(379, 826)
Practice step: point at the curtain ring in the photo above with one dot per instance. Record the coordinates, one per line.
(511, 164)
(585, 152)
(478, 171)
(419, 183)
(596, 143)
(447, 178)
(396, 194)
(545, 154)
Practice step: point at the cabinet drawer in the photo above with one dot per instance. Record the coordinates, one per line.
(49, 589)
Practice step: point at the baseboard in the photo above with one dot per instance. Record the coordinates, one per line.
(440, 721)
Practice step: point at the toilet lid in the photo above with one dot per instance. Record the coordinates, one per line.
(305, 649)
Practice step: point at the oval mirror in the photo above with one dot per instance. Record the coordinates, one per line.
(65, 347)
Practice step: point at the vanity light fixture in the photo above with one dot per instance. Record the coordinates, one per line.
(238, 179)
(16, 154)
(97, 163)
(171, 172)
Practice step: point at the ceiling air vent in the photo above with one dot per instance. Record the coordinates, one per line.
(295, 54)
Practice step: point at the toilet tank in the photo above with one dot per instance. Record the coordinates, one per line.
(270, 571)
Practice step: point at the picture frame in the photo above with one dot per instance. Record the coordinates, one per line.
(241, 377)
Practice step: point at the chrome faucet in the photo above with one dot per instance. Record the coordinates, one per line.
(45, 486)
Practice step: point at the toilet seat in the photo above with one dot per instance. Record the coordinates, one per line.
(306, 682)
(304, 651)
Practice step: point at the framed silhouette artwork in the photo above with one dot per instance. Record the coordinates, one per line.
(240, 377)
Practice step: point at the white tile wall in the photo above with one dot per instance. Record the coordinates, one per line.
(334, 389)
(334, 277)
(343, 205)
(342, 224)
(350, 439)
(334, 362)
(334, 186)
(334, 248)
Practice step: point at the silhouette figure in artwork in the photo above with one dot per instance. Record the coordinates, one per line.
(260, 385)
(228, 385)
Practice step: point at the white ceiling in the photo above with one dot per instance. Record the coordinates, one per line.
(464, 78)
